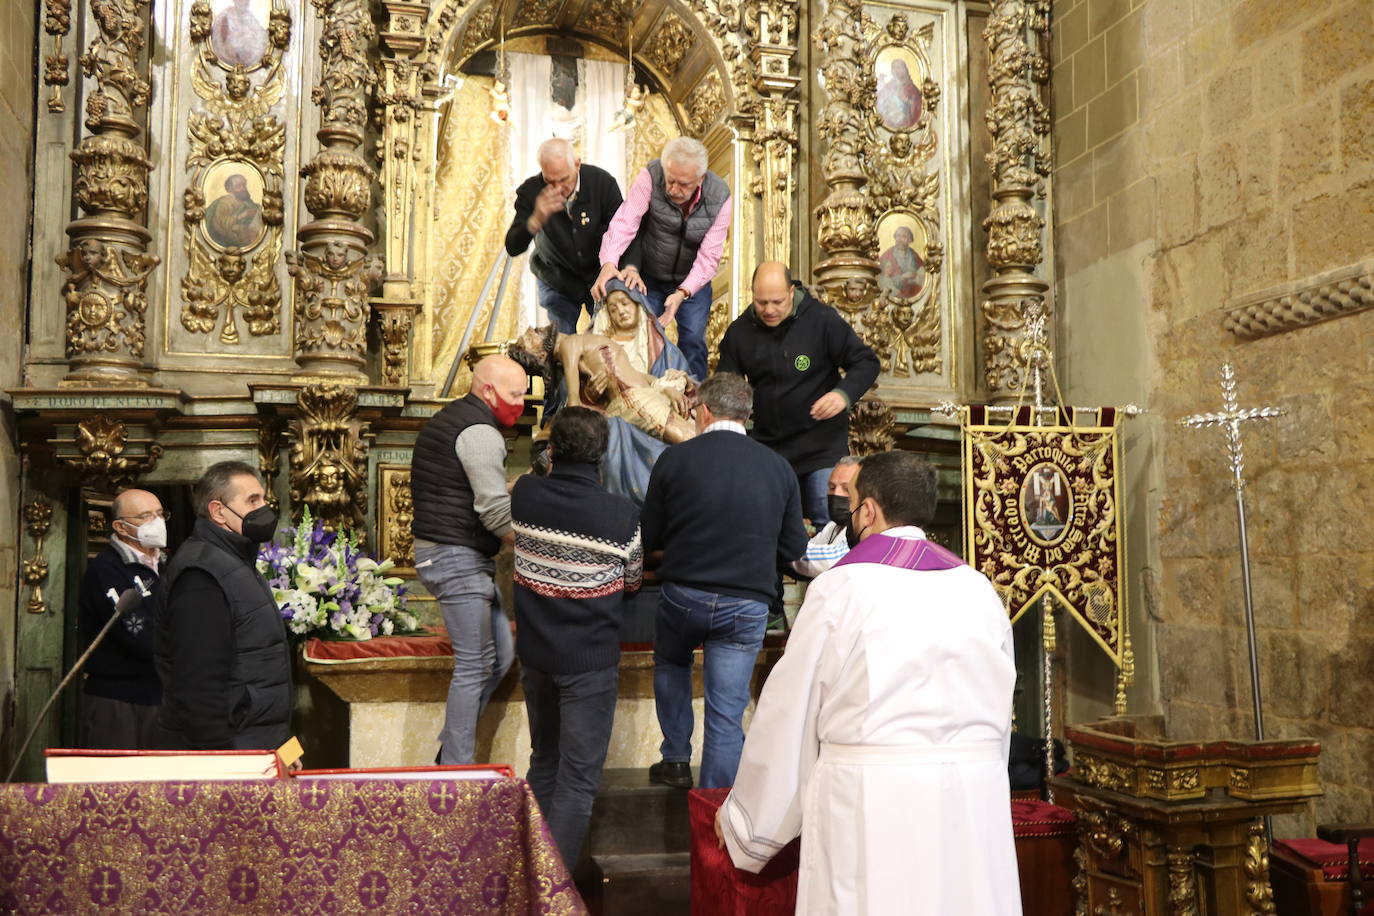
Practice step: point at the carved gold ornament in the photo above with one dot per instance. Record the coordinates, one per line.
(34, 571)
(393, 324)
(871, 427)
(706, 104)
(101, 456)
(106, 297)
(329, 456)
(331, 301)
(57, 22)
(1259, 895)
(396, 512)
(233, 207)
(1182, 883)
(669, 45)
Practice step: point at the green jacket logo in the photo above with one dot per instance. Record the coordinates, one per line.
(802, 363)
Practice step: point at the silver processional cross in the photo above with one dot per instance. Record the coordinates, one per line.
(1230, 419)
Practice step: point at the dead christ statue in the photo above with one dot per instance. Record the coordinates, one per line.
(625, 368)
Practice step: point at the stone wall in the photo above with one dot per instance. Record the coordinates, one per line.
(16, 142)
(1207, 149)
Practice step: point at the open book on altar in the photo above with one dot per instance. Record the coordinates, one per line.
(80, 765)
(468, 771)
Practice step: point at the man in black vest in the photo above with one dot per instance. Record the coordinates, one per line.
(462, 515)
(726, 513)
(220, 643)
(670, 234)
(121, 689)
(808, 367)
(564, 210)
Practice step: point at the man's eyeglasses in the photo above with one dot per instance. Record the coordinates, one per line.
(147, 516)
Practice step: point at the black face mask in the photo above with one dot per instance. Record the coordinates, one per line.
(838, 507)
(850, 535)
(259, 525)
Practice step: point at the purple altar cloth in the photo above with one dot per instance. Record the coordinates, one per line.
(280, 846)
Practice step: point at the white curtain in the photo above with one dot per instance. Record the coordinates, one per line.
(530, 104)
(602, 94)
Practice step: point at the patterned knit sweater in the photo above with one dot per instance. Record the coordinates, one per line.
(577, 555)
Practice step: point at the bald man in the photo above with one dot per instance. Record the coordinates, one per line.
(808, 367)
(462, 516)
(564, 210)
(122, 692)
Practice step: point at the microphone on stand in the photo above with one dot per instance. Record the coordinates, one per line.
(123, 602)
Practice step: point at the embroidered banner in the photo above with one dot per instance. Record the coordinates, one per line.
(1042, 517)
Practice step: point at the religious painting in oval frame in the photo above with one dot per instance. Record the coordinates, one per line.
(1046, 504)
(233, 216)
(238, 32)
(898, 101)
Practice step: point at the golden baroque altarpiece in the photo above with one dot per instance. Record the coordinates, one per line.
(241, 230)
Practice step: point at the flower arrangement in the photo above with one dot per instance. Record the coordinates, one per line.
(326, 586)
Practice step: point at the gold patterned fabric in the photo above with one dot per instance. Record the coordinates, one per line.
(473, 195)
(653, 127)
(280, 846)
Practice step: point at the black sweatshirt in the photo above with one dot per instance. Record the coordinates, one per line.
(122, 667)
(726, 512)
(791, 366)
(567, 250)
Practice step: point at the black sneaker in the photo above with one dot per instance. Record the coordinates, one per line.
(675, 773)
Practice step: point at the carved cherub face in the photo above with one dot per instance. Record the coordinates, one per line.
(231, 268)
(622, 310)
(900, 145)
(855, 289)
(237, 84)
(336, 255)
(91, 252)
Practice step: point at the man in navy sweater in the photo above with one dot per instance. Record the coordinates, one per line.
(577, 554)
(808, 368)
(726, 512)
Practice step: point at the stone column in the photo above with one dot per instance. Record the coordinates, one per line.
(1016, 33)
(107, 264)
(332, 270)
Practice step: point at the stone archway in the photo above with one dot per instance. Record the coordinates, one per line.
(726, 68)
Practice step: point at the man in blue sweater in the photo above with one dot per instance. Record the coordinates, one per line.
(577, 554)
(726, 512)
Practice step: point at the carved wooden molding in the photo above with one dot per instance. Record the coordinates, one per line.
(1307, 302)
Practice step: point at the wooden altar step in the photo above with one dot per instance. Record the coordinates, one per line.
(636, 858)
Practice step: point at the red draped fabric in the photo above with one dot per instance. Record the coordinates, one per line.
(280, 846)
(720, 889)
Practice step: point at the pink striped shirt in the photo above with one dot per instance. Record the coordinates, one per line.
(625, 226)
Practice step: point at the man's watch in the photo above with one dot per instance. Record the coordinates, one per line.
(684, 291)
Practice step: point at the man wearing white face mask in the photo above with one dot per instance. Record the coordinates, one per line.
(122, 693)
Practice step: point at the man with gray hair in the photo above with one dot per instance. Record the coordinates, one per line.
(564, 210)
(219, 643)
(726, 512)
(669, 235)
(832, 542)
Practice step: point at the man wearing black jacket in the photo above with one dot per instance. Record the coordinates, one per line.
(808, 367)
(122, 693)
(577, 555)
(220, 643)
(564, 210)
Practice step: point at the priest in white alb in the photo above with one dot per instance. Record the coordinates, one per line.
(881, 737)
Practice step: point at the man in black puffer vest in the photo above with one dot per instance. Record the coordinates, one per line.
(462, 515)
(220, 643)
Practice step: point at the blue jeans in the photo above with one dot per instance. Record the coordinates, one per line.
(570, 730)
(732, 630)
(815, 487)
(691, 319)
(563, 309)
(460, 579)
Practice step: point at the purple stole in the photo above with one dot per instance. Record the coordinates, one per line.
(903, 553)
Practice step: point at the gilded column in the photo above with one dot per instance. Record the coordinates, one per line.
(332, 270)
(844, 219)
(772, 27)
(1017, 34)
(107, 263)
